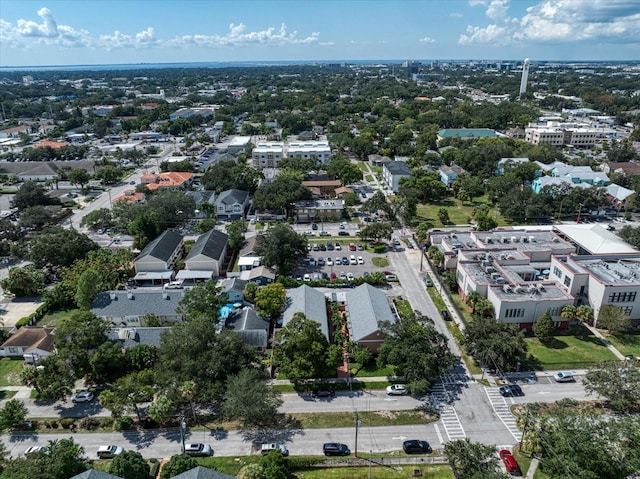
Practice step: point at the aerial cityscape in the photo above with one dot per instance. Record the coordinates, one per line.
(319, 239)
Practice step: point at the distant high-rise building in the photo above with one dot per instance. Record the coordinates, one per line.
(525, 76)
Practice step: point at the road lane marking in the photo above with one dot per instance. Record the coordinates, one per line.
(438, 433)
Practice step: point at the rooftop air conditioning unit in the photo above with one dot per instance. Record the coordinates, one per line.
(507, 289)
(532, 239)
(165, 295)
(540, 287)
(494, 276)
(514, 239)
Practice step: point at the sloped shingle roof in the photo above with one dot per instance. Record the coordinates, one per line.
(202, 473)
(130, 337)
(367, 307)
(233, 196)
(398, 168)
(31, 337)
(252, 328)
(210, 244)
(95, 474)
(142, 302)
(162, 247)
(305, 299)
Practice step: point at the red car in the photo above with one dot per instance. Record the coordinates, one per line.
(352, 247)
(333, 276)
(509, 462)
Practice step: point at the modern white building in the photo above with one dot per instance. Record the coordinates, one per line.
(315, 150)
(525, 76)
(267, 155)
(393, 172)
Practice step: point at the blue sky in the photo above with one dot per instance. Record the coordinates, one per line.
(58, 32)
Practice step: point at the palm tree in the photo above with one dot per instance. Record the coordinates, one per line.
(585, 313)
(568, 312)
(472, 299)
(484, 308)
(188, 391)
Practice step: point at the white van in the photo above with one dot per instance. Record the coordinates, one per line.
(173, 285)
(353, 260)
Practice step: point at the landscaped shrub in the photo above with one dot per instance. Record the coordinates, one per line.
(379, 249)
(124, 422)
(89, 423)
(66, 422)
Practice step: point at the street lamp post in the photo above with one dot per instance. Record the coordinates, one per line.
(183, 433)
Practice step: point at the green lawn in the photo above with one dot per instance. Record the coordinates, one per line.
(380, 262)
(371, 371)
(53, 319)
(396, 472)
(626, 343)
(568, 352)
(10, 371)
(404, 307)
(7, 395)
(369, 418)
(459, 212)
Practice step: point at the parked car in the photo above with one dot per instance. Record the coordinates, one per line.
(353, 260)
(563, 377)
(391, 277)
(109, 452)
(428, 282)
(352, 247)
(396, 390)
(198, 449)
(267, 448)
(360, 260)
(511, 390)
(329, 246)
(307, 277)
(360, 247)
(350, 276)
(342, 233)
(82, 396)
(338, 246)
(414, 446)
(320, 261)
(343, 275)
(335, 449)
(509, 462)
(445, 315)
(32, 449)
(329, 261)
(323, 393)
(345, 260)
(314, 226)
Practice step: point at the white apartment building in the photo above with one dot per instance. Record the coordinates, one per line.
(562, 133)
(537, 136)
(315, 150)
(267, 155)
(599, 280)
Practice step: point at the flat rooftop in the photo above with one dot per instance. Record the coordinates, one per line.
(542, 291)
(617, 271)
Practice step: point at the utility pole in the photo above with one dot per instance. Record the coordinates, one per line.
(357, 426)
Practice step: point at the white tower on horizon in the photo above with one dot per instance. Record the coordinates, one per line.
(525, 76)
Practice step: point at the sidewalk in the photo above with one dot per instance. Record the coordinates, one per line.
(604, 341)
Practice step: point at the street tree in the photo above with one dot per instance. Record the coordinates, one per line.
(235, 231)
(228, 174)
(64, 460)
(89, 284)
(376, 203)
(250, 400)
(275, 466)
(30, 194)
(79, 177)
(342, 168)
(59, 246)
(161, 410)
(250, 291)
(53, 381)
(108, 174)
(281, 247)
(544, 328)
(619, 382)
(280, 195)
(129, 465)
(494, 343)
(97, 219)
(203, 301)
(416, 349)
(422, 231)
(377, 231)
(270, 299)
(77, 338)
(195, 351)
(614, 319)
(13, 414)
(178, 464)
(472, 460)
(107, 363)
(24, 282)
(436, 255)
(303, 352)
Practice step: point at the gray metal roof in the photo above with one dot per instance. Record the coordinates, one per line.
(252, 328)
(202, 473)
(367, 307)
(130, 337)
(95, 474)
(141, 303)
(210, 244)
(398, 168)
(305, 299)
(163, 246)
(230, 197)
(232, 284)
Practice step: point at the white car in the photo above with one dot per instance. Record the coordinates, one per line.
(360, 260)
(329, 261)
(32, 449)
(396, 390)
(307, 277)
(109, 452)
(82, 396)
(350, 276)
(563, 377)
(198, 450)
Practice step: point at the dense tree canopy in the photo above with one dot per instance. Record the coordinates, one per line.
(250, 400)
(228, 174)
(281, 247)
(59, 246)
(495, 344)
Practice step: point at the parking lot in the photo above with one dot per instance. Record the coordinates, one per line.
(333, 257)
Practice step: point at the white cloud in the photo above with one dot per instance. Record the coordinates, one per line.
(239, 36)
(456, 15)
(426, 40)
(29, 33)
(556, 21)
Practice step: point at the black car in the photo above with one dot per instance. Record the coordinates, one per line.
(345, 260)
(511, 390)
(314, 226)
(329, 246)
(414, 446)
(335, 449)
(323, 393)
(445, 315)
(342, 233)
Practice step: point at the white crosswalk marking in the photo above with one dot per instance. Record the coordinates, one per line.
(501, 408)
(449, 419)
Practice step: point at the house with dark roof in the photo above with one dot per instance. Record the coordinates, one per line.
(202, 473)
(126, 308)
(393, 171)
(251, 327)
(202, 198)
(95, 474)
(259, 274)
(231, 204)
(311, 302)
(207, 257)
(366, 308)
(158, 259)
(29, 342)
(130, 337)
